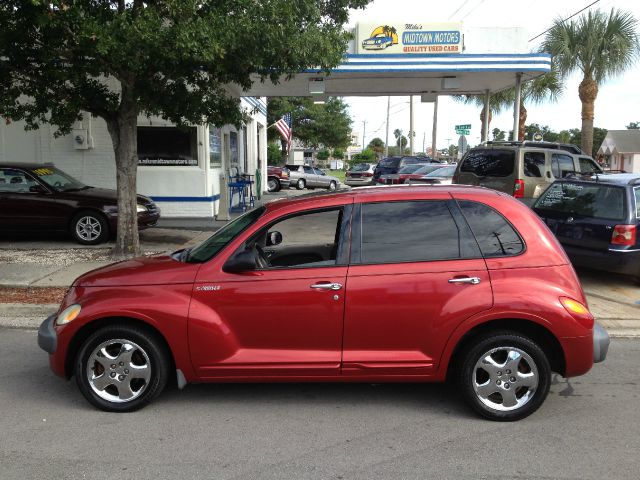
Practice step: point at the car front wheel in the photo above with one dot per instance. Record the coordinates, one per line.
(89, 228)
(505, 376)
(121, 368)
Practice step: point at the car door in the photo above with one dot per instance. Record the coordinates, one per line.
(310, 177)
(24, 202)
(416, 273)
(285, 318)
(321, 178)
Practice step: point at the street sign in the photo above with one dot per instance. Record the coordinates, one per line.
(463, 129)
(463, 132)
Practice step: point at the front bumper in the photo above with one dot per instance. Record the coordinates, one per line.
(47, 337)
(600, 343)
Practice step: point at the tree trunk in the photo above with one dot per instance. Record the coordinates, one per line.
(587, 91)
(521, 122)
(482, 113)
(284, 153)
(124, 136)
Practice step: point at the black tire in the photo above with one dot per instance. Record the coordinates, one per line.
(148, 352)
(300, 184)
(532, 365)
(273, 185)
(89, 228)
(333, 185)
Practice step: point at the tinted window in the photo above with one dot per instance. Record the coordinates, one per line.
(15, 181)
(489, 163)
(589, 166)
(412, 160)
(408, 232)
(561, 165)
(637, 194)
(428, 169)
(443, 172)
(389, 162)
(360, 167)
(308, 169)
(409, 169)
(589, 200)
(533, 164)
(495, 236)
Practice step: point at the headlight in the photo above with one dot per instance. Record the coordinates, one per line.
(69, 314)
(140, 208)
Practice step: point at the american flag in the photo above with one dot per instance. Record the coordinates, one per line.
(284, 129)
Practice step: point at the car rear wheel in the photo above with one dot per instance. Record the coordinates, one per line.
(332, 186)
(505, 376)
(121, 368)
(273, 185)
(301, 184)
(89, 228)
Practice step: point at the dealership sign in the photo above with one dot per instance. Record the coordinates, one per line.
(422, 38)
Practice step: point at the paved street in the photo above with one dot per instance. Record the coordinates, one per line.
(588, 428)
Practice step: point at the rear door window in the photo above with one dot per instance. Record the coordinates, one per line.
(489, 163)
(588, 200)
(494, 234)
(414, 231)
(561, 165)
(534, 164)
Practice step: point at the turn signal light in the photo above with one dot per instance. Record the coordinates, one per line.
(518, 189)
(624, 235)
(578, 311)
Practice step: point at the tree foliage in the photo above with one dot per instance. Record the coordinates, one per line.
(61, 60)
(366, 156)
(314, 125)
(633, 126)
(600, 46)
(377, 145)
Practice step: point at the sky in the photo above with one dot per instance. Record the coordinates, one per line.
(618, 101)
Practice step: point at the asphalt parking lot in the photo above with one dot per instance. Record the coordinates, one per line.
(589, 428)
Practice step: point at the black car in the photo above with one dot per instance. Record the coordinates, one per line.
(596, 220)
(40, 197)
(391, 165)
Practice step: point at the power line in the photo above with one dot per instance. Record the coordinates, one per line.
(568, 18)
(472, 10)
(459, 8)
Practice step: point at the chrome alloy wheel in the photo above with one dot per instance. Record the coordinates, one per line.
(505, 378)
(88, 228)
(118, 370)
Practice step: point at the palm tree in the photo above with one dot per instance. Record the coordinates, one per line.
(598, 45)
(547, 87)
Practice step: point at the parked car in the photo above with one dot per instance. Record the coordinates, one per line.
(277, 178)
(359, 175)
(439, 176)
(522, 169)
(391, 165)
(410, 172)
(40, 197)
(397, 178)
(596, 220)
(390, 284)
(304, 176)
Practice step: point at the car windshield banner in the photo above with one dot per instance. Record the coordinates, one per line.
(421, 38)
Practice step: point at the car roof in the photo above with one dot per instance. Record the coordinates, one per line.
(381, 193)
(619, 179)
(25, 165)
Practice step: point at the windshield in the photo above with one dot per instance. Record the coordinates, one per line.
(58, 180)
(360, 167)
(443, 172)
(427, 169)
(409, 169)
(216, 242)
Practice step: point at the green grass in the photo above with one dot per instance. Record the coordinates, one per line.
(339, 174)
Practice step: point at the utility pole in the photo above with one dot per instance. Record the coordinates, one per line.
(424, 142)
(364, 130)
(411, 132)
(386, 140)
(434, 133)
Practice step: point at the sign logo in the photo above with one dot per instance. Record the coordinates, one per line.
(381, 37)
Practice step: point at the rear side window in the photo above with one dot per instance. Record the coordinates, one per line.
(636, 191)
(415, 231)
(533, 164)
(496, 237)
(561, 165)
(389, 162)
(489, 163)
(587, 200)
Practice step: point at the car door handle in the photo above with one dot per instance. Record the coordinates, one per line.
(327, 286)
(471, 280)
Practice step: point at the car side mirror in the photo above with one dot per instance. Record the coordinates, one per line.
(37, 189)
(240, 262)
(274, 238)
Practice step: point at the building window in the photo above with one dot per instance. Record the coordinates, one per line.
(233, 149)
(167, 146)
(215, 147)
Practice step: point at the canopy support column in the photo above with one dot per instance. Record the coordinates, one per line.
(516, 107)
(487, 114)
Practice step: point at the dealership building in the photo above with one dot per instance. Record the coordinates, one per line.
(186, 170)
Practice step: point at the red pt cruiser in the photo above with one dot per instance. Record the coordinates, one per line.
(376, 285)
